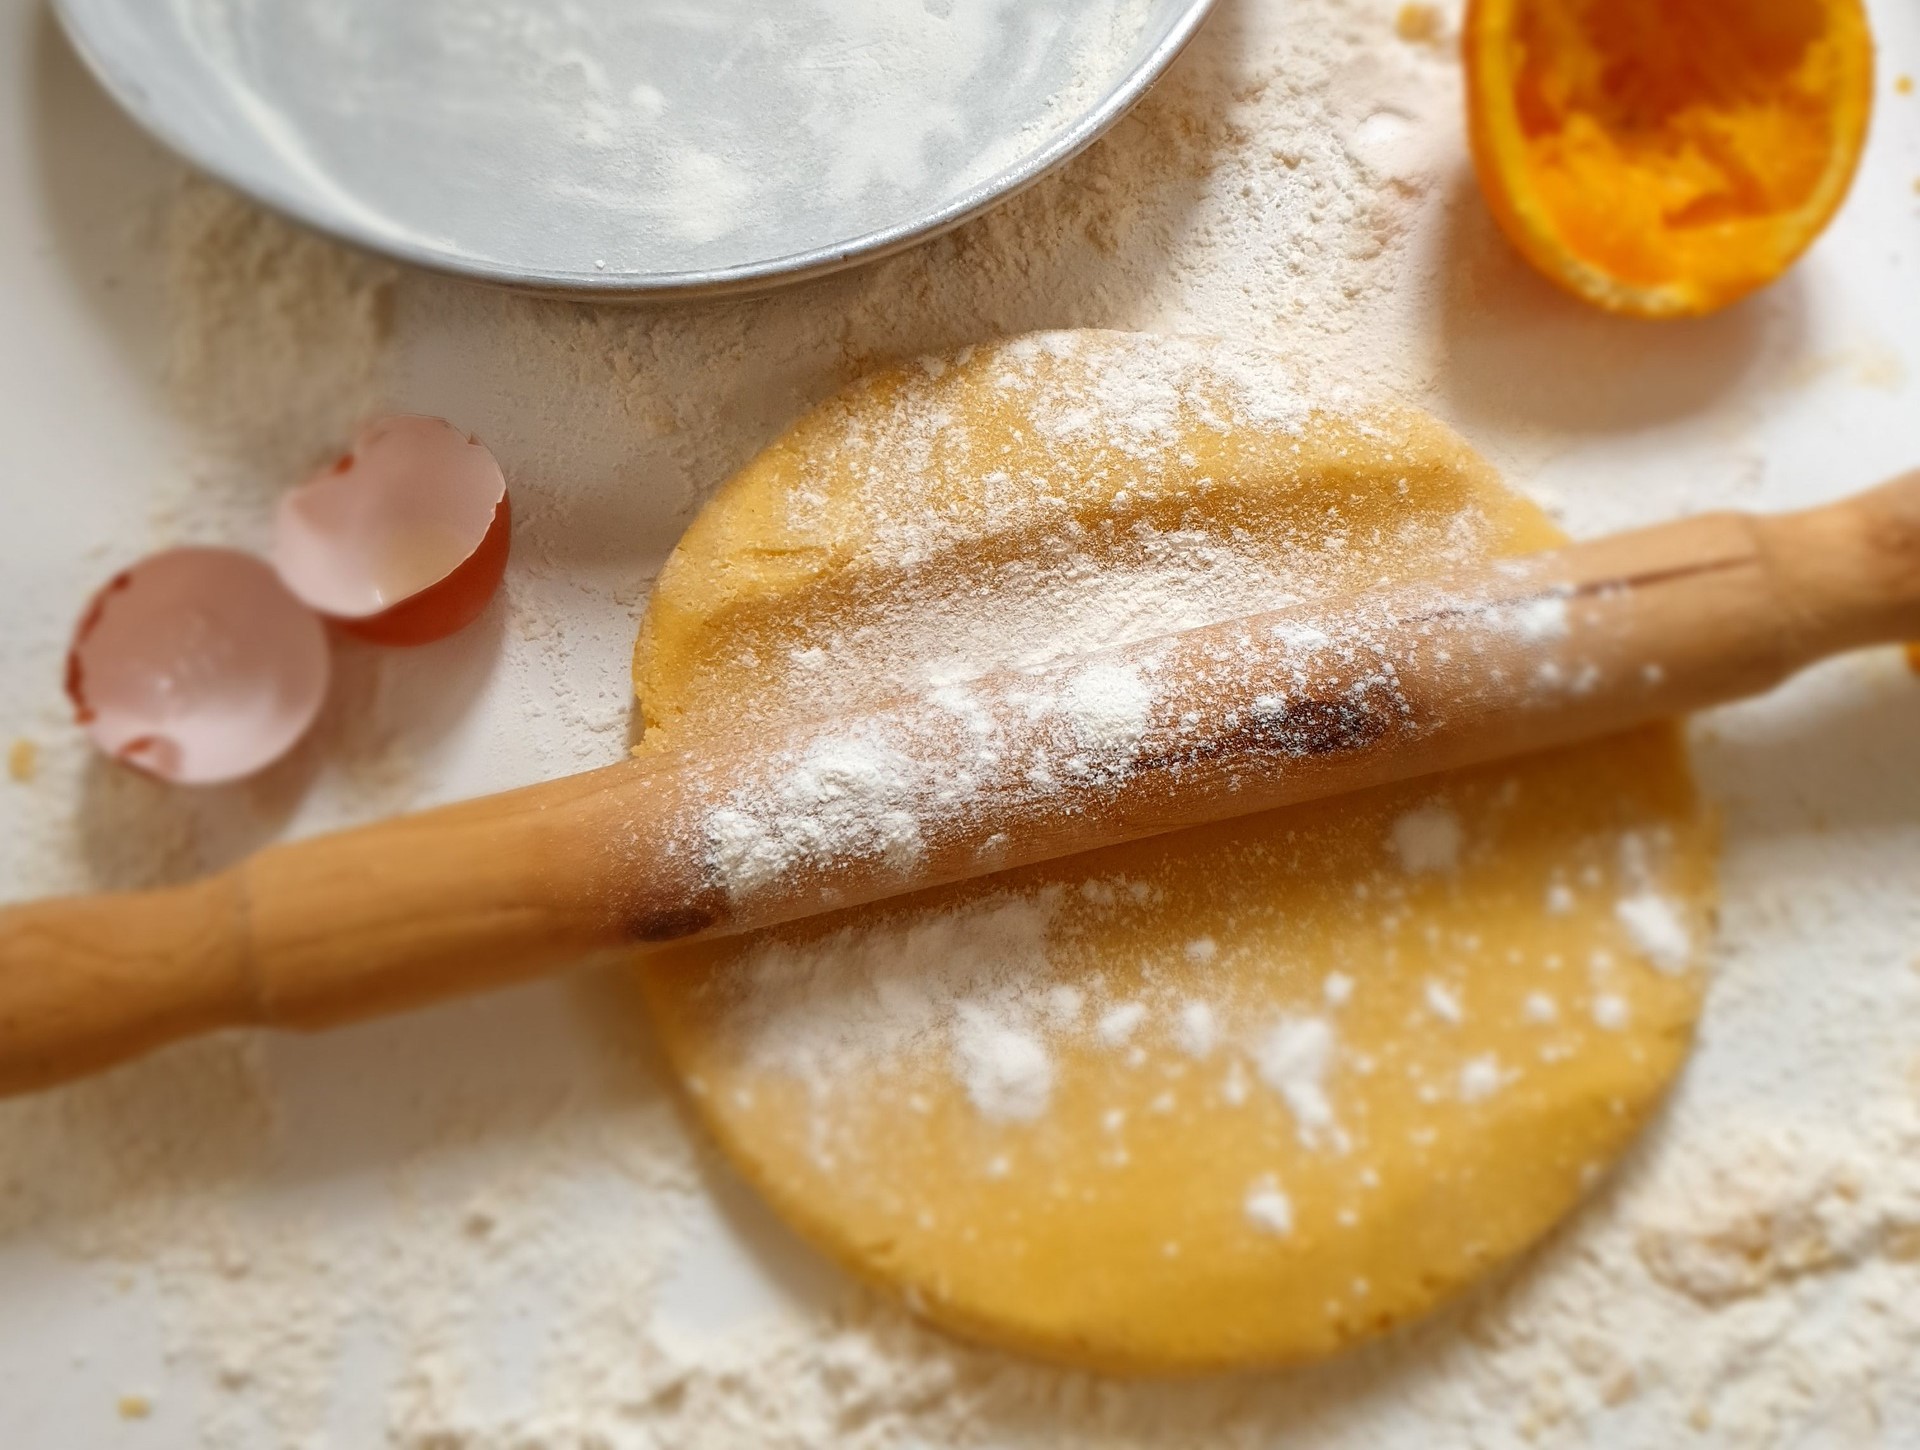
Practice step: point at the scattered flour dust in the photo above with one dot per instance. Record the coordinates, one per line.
(1294, 1058)
(1197, 1029)
(847, 797)
(871, 994)
(873, 796)
(1269, 1209)
(1007, 1070)
(1427, 840)
(1444, 1003)
(1481, 1078)
(1658, 929)
(1116, 1026)
(1109, 708)
(1611, 1012)
(1750, 1275)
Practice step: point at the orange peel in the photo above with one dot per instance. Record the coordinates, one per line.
(1665, 158)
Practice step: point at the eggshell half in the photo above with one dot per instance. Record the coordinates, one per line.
(402, 541)
(197, 666)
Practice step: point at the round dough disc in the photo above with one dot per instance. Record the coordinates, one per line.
(1238, 1096)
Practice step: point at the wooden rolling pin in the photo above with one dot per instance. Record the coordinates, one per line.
(1009, 769)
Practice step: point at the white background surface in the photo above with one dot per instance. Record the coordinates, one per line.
(1805, 393)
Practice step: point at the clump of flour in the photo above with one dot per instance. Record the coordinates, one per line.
(1268, 1208)
(1657, 928)
(846, 797)
(1007, 1070)
(971, 982)
(1109, 708)
(1294, 1058)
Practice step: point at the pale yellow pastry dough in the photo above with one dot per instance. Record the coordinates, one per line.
(1267, 1088)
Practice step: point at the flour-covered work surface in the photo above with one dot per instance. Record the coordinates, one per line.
(501, 1224)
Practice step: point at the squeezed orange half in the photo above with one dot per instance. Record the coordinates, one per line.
(1666, 157)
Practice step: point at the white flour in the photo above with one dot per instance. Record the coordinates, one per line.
(388, 1207)
(1197, 1029)
(1480, 1078)
(848, 797)
(1293, 1059)
(951, 771)
(1268, 1208)
(1007, 1071)
(1656, 928)
(978, 975)
(1109, 708)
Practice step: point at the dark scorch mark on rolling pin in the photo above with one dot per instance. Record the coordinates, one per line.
(1309, 729)
(667, 915)
(659, 926)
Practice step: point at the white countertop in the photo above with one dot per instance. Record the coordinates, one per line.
(250, 1238)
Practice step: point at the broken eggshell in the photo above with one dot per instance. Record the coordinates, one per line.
(197, 666)
(404, 540)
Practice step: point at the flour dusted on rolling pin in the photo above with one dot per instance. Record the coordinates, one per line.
(852, 797)
(862, 797)
(1109, 707)
(962, 771)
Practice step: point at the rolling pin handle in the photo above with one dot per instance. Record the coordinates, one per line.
(87, 982)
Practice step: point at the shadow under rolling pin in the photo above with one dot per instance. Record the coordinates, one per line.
(1003, 771)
